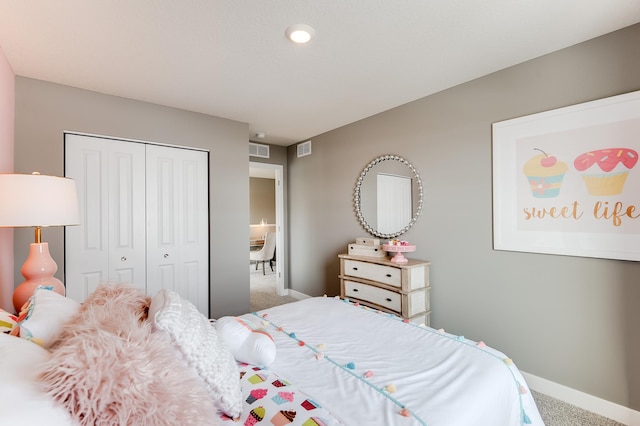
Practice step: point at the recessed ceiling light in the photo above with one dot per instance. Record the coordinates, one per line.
(300, 33)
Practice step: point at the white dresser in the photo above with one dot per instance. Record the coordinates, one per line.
(401, 289)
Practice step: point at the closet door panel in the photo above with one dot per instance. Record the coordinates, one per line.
(87, 245)
(195, 228)
(84, 284)
(162, 252)
(93, 194)
(103, 247)
(192, 278)
(177, 223)
(127, 251)
(165, 278)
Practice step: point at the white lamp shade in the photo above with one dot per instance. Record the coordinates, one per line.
(37, 200)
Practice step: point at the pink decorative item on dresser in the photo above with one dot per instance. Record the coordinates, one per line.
(398, 247)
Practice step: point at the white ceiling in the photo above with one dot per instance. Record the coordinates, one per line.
(230, 58)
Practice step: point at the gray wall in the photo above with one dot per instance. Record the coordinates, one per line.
(262, 200)
(570, 320)
(45, 110)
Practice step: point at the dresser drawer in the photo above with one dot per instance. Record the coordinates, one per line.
(379, 296)
(396, 288)
(371, 271)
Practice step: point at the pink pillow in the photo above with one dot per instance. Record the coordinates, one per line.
(108, 367)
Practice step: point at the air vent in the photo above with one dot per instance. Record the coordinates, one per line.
(258, 150)
(304, 149)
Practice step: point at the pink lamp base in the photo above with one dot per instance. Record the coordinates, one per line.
(37, 270)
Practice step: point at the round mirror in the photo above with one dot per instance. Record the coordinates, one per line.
(388, 196)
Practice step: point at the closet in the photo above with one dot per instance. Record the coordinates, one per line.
(144, 212)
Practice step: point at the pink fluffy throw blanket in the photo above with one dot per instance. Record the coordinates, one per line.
(109, 368)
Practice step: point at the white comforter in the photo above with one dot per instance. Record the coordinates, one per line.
(370, 368)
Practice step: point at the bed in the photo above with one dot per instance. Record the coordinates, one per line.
(335, 362)
(369, 367)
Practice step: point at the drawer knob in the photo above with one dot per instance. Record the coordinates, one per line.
(388, 299)
(355, 269)
(388, 275)
(355, 289)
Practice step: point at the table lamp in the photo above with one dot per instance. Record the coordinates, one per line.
(37, 201)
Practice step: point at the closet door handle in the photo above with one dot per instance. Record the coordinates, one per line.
(123, 259)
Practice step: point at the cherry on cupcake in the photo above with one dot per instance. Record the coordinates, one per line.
(548, 160)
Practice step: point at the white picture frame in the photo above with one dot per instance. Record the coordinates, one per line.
(546, 210)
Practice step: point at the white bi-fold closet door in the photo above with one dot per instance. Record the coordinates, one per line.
(144, 218)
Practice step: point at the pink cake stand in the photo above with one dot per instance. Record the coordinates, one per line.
(398, 250)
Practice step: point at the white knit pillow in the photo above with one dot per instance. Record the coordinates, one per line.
(198, 341)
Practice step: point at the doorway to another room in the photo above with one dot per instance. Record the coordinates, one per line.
(266, 216)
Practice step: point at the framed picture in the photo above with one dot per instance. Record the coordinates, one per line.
(567, 181)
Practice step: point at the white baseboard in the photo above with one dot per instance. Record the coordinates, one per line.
(619, 413)
(297, 294)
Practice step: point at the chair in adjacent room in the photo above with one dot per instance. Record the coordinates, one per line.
(266, 253)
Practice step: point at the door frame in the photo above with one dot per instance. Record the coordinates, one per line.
(278, 171)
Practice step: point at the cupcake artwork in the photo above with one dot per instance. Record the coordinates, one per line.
(255, 395)
(566, 181)
(545, 174)
(283, 397)
(605, 171)
(255, 416)
(269, 400)
(283, 417)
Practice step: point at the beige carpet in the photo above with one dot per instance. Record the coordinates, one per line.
(558, 413)
(263, 289)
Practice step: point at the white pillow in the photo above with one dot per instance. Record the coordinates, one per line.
(46, 313)
(198, 341)
(7, 321)
(22, 402)
(248, 343)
